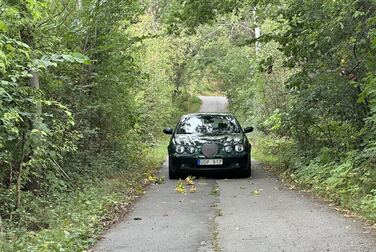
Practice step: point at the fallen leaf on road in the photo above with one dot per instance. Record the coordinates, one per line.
(189, 180)
(137, 218)
(180, 188)
(160, 180)
(256, 193)
(215, 191)
(193, 189)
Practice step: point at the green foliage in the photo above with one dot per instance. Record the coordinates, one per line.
(313, 97)
(73, 221)
(86, 86)
(85, 89)
(307, 84)
(187, 15)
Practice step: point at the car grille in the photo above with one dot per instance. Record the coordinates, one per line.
(209, 149)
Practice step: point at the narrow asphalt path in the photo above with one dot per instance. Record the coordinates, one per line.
(256, 214)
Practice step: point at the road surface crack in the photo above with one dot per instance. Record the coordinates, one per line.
(214, 225)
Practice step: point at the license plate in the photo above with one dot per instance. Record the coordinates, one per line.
(210, 161)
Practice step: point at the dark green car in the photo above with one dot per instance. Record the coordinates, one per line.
(208, 142)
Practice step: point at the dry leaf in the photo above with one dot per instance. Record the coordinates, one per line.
(180, 187)
(193, 189)
(256, 193)
(189, 180)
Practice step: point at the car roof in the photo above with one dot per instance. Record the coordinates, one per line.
(207, 113)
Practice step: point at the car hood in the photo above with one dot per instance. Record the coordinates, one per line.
(197, 140)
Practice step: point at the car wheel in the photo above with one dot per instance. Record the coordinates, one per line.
(247, 173)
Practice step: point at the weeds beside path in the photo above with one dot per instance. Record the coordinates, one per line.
(73, 221)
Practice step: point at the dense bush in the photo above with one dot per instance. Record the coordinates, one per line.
(307, 84)
(85, 88)
(312, 98)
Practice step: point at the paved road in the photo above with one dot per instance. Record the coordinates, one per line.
(257, 214)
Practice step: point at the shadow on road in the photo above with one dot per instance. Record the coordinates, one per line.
(257, 173)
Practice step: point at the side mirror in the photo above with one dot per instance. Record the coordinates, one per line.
(168, 131)
(248, 129)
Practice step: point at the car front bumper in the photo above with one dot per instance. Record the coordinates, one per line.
(238, 163)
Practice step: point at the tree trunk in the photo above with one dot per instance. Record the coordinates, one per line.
(19, 175)
(257, 31)
(34, 79)
(34, 83)
(18, 186)
(79, 4)
(10, 175)
(1, 226)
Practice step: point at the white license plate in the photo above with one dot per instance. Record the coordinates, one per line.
(210, 161)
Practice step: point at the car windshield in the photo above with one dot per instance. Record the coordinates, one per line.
(208, 124)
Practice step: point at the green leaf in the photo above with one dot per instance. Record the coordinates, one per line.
(358, 14)
(3, 26)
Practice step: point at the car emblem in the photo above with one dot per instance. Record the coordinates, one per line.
(209, 149)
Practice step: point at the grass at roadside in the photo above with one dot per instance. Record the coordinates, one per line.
(73, 221)
(348, 184)
(79, 217)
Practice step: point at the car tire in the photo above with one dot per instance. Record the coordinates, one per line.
(174, 175)
(247, 173)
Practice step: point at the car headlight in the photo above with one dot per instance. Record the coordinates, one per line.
(228, 148)
(191, 149)
(179, 149)
(239, 147)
